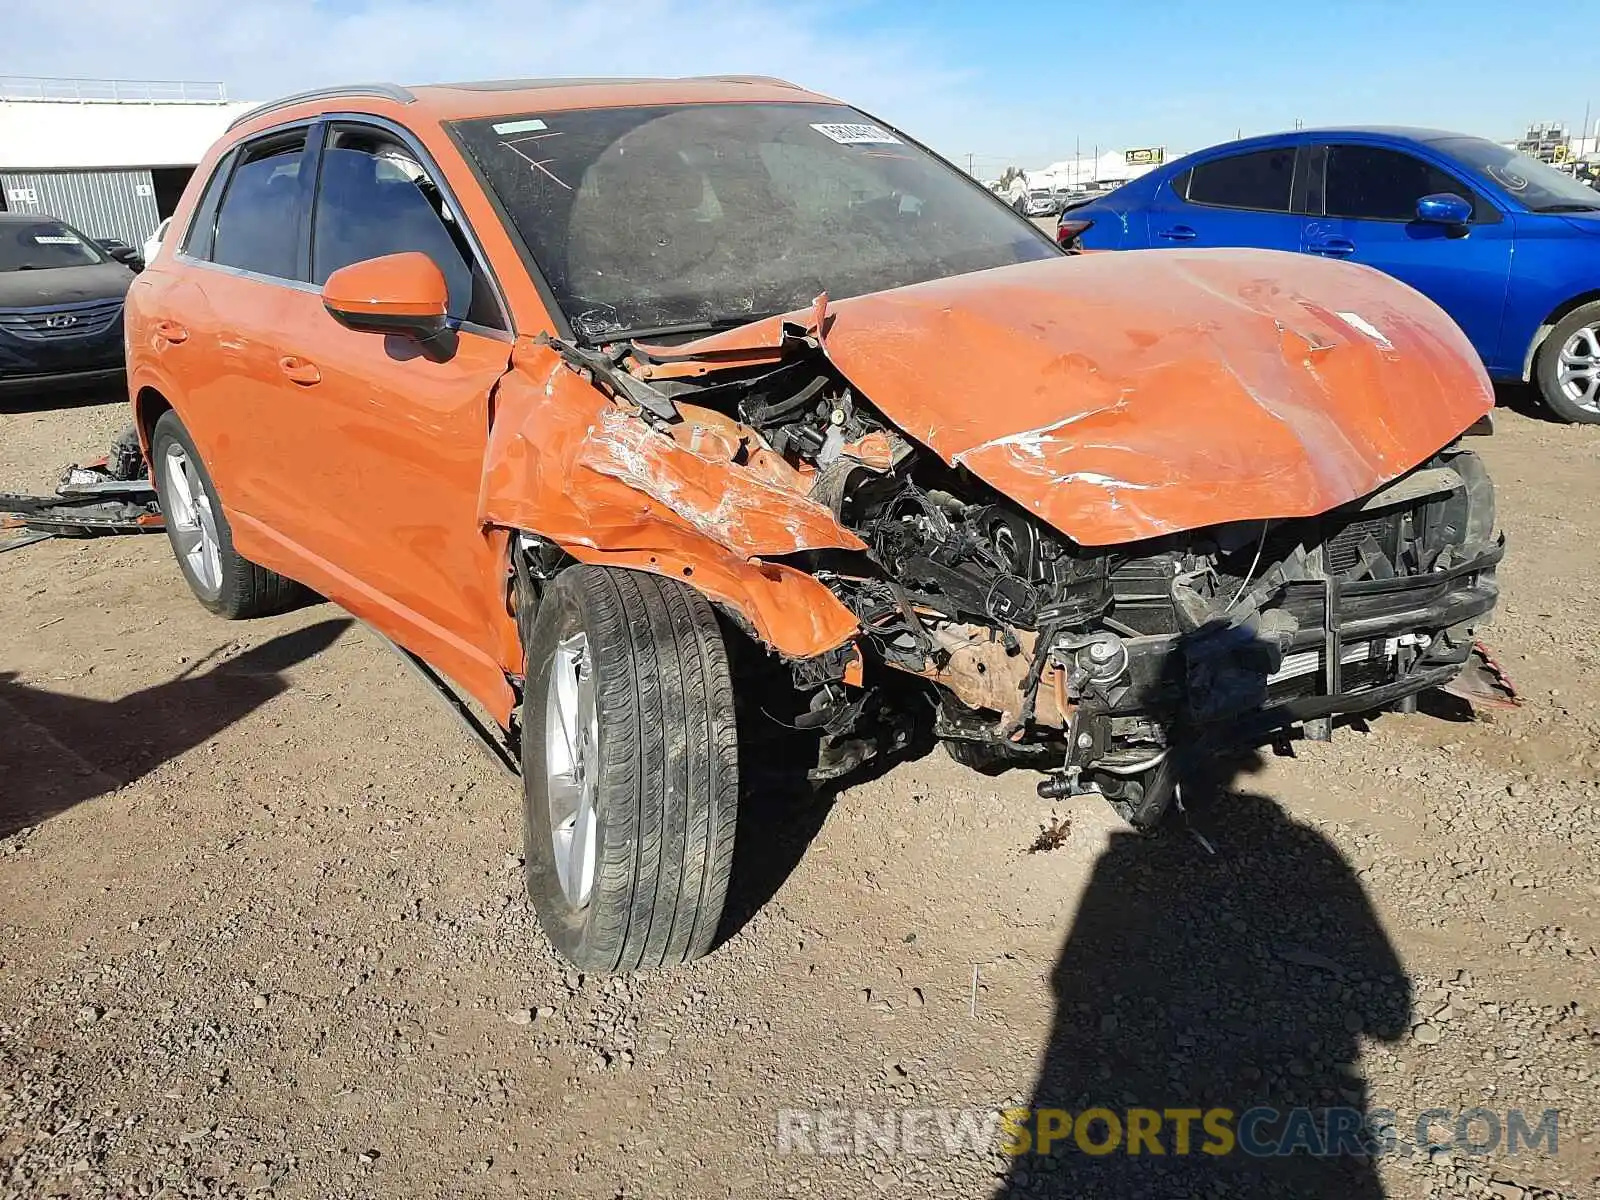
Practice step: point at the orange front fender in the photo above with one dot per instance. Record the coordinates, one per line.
(569, 464)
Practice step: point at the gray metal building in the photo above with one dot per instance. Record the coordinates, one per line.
(109, 156)
(120, 204)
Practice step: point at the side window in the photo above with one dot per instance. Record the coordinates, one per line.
(1259, 180)
(1377, 184)
(261, 217)
(374, 198)
(197, 239)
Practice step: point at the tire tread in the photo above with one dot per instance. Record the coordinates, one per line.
(669, 755)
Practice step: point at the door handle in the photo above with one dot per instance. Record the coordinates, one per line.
(1178, 233)
(171, 331)
(299, 369)
(1334, 247)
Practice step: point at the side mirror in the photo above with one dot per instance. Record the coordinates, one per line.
(121, 252)
(401, 294)
(1444, 208)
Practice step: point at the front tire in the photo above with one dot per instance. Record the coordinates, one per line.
(1568, 367)
(630, 769)
(221, 578)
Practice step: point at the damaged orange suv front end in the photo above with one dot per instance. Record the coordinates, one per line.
(565, 386)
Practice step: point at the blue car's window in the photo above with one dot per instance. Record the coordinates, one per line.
(1541, 188)
(1260, 180)
(1378, 184)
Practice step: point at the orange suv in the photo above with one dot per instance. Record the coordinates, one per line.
(570, 386)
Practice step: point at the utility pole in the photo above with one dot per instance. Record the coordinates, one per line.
(969, 162)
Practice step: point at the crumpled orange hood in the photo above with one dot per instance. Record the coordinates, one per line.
(1124, 396)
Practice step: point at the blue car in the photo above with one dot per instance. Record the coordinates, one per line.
(1506, 245)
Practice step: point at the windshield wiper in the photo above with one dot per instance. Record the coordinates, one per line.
(714, 325)
(1574, 206)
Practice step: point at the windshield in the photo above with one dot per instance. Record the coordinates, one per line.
(42, 245)
(703, 215)
(1538, 186)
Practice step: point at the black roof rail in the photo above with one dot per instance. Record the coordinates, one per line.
(386, 91)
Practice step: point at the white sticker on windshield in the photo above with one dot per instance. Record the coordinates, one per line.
(55, 239)
(858, 135)
(531, 125)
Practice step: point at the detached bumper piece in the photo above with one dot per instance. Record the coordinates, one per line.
(109, 496)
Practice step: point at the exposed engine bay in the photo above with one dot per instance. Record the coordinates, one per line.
(1101, 665)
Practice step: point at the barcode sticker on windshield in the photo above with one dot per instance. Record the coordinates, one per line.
(55, 239)
(858, 135)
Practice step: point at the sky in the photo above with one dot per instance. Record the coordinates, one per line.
(1006, 81)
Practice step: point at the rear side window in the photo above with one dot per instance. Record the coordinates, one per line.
(1259, 180)
(374, 198)
(262, 214)
(198, 238)
(1376, 184)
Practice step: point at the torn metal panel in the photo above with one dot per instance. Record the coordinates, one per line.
(733, 504)
(569, 464)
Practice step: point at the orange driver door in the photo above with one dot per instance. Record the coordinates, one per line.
(390, 434)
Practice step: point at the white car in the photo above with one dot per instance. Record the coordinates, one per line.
(1039, 202)
(153, 242)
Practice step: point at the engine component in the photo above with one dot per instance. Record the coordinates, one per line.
(1117, 664)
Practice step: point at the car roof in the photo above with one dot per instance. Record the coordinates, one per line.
(1414, 133)
(498, 97)
(1408, 133)
(22, 218)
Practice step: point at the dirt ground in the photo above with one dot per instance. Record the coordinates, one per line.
(262, 932)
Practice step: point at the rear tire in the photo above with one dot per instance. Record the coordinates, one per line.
(1568, 367)
(630, 769)
(221, 578)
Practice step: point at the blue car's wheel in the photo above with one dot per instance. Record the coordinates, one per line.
(1568, 370)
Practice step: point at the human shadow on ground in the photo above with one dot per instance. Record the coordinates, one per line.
(58, 750)
(1239, 979)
